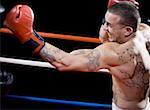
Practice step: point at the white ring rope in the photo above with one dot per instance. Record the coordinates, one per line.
(32, 63)
(26, 62)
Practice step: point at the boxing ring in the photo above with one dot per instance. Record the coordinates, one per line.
(42, 64)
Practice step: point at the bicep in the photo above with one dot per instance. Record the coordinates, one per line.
(93, 60)
(103, 57)
(88, 62)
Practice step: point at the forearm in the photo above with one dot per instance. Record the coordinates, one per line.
(53, 54)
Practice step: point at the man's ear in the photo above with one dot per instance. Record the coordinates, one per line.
(128, 31)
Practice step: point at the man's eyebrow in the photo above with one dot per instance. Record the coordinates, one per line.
(107, 23)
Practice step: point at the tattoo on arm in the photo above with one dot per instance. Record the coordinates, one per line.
(52, 53)
(93, 60)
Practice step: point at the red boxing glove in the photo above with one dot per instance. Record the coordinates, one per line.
(20, 21)
(112, 2)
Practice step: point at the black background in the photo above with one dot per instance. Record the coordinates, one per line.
(75, 17)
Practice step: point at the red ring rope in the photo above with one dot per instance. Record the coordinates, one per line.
(59, 36)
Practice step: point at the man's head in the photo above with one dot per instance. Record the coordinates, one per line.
(121, 21)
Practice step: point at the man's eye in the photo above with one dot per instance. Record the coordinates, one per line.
(107, 24)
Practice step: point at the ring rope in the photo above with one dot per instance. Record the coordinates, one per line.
(75, 103)
(59, 36)
(26, 62)
(32, 63)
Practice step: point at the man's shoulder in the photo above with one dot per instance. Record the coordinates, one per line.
(108, 47)
(110, 44)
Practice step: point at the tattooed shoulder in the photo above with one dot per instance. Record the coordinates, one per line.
(126, 55)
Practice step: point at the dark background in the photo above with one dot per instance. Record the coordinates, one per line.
(75, 17)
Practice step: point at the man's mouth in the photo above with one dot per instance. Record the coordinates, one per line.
(110, 37)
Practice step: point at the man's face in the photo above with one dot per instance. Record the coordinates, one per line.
(113, 27)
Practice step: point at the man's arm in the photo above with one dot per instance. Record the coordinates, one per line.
(99, 58)
(63, 61)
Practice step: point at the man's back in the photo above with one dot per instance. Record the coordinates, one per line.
(130, 78)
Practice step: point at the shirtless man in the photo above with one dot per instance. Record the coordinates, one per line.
(120, 54)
